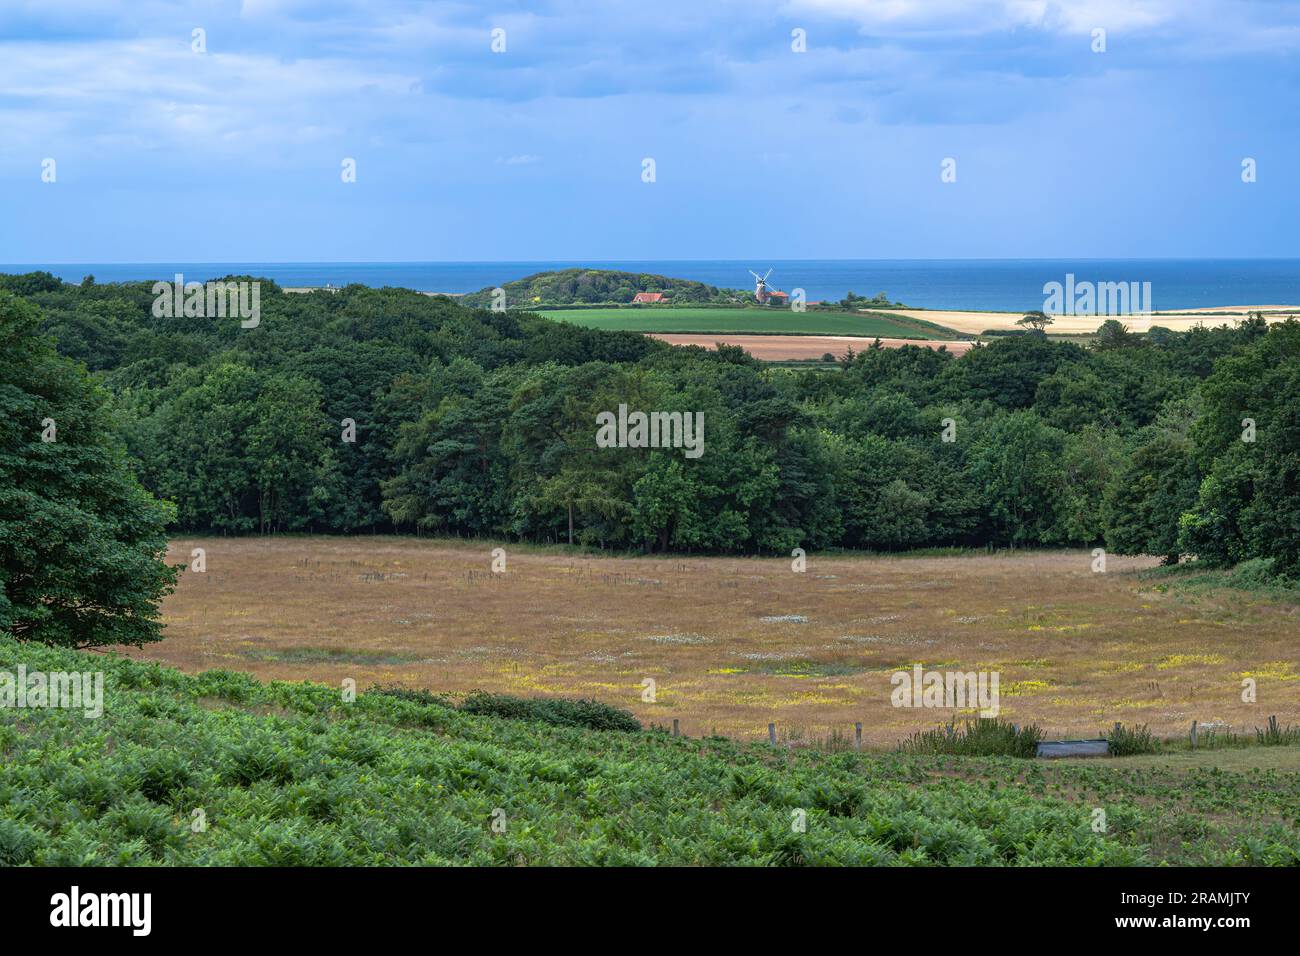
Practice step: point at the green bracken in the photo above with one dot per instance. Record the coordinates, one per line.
(217, 768)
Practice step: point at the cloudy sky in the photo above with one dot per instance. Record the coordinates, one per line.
(462, 153)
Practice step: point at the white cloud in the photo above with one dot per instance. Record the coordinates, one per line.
(989, 16)
(158, 90)
(1083, 16)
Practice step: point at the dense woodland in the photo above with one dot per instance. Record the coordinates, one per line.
(479, 423)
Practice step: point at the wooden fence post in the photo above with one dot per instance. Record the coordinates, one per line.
(771, 734)
(1193, 735)
(857, 736)
(675, 727)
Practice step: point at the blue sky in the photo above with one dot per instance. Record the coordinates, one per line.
(761, 152)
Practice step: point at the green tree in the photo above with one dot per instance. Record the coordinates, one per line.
(290, 454)
(451, 472)
(1144, 504)
(664, 505)
(1008, 371)
(1091, 460)
(880, 509)
(1113, 334)
(1248, 442)
(1036, 320)
(241, 450)
(81, 543)
(1016, 459)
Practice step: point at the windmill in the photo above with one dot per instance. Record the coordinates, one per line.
(760, 285)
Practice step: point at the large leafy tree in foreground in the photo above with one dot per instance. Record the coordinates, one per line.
(81, 543)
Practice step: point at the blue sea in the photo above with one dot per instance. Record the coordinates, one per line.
(990, 284)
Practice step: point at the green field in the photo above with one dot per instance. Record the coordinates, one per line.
(753, 320)
(217, 768)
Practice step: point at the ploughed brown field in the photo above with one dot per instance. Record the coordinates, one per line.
(735, 643)
(780, 348)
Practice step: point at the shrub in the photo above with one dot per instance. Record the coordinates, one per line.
(565, 713)
(1127, 741)
(161, 773)
(1277, 736)
(1257, 573)
(293, 843)
(253, 761)
(141, 819)
(17, 843)
(415, 695)
(985, 736)
(227, 685)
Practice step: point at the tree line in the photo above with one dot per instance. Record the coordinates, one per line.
(480, 423)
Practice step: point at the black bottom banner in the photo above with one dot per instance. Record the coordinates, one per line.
(351, 905)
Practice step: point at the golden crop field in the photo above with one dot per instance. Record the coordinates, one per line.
(735, 643)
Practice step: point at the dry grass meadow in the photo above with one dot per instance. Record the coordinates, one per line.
(733, 643)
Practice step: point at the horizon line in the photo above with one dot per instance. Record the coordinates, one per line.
(360, 262)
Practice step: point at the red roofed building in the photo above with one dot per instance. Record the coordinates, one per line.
(645, 298)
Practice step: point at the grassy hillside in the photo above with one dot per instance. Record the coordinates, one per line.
(290, 774)
(575, 286)
(754, 320)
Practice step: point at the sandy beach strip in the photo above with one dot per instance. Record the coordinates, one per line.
(973, 323)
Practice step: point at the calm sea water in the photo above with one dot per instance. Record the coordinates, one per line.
(994, 284)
